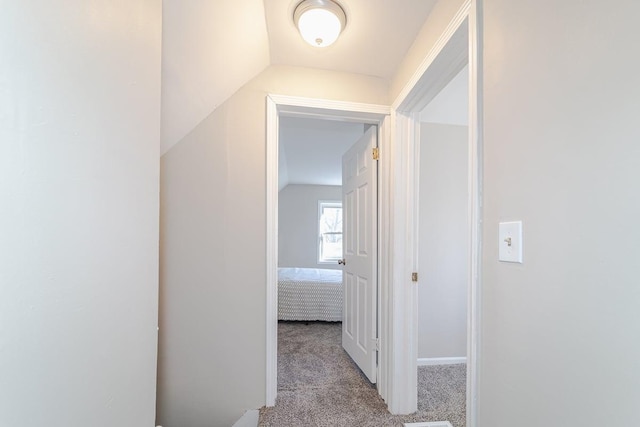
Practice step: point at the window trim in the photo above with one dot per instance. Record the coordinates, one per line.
(321, 205)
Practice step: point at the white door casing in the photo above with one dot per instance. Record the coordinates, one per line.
(460, 43)
(359, 207)
(379, 115)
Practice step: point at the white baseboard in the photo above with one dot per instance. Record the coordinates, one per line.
(249, 419)
(432, 361)
(432, 424)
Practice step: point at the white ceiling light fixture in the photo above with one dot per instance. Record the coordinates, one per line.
(320, 22)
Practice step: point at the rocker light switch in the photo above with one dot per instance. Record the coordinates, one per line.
(510, 241)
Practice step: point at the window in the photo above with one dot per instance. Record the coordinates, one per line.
(329, 231)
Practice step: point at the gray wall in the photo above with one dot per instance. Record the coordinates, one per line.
(560, 332)
(443, 241)
(79, 169)
(298, 224)
(212, 280)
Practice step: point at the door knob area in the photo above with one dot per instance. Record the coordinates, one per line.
(342, 261)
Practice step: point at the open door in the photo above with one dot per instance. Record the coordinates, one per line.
(360, 206)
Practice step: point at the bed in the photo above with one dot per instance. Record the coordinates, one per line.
(309, 294)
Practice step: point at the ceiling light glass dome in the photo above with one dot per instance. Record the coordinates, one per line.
(320, 22)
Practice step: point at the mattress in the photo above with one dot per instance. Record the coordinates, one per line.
(309, 294)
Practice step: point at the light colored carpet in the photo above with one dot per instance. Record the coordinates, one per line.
(319, 385)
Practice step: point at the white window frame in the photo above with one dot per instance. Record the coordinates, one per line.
(321, 205)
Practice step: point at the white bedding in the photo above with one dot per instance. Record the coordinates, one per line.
(309, 294)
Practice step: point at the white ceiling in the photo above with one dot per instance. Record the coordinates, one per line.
(210, 48)
(377, 36)
(310, 150)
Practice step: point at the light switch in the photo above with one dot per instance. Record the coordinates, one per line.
(510, 241)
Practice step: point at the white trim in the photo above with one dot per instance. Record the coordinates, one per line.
(249, 419)
(475, 208)
(460, 42)
(385, 256)
(431, 424)
(409, 92)
(403, 294)
(435, 361)
(272, 252)
(279, 105)
(293, 106)
(321, 205)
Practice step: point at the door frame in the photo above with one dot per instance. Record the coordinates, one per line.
(289, 106)
(460, 43)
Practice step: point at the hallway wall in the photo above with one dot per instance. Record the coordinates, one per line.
(213, 287)
(79, 171)
(560, 332)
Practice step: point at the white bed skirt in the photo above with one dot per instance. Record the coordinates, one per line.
(309, 294)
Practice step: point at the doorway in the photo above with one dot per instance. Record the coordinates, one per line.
(443, 239)
(442, 250)
(281, 109)
(457, 46)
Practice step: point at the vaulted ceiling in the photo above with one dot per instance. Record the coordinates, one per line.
(211, 48)
(311, 150)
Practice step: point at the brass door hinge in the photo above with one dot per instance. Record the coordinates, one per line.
(414, 277)
(376, 153)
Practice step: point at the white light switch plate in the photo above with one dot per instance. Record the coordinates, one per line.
(510, 241)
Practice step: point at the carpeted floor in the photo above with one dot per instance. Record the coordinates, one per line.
(319, 385)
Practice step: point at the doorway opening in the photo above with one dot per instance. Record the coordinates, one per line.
(442, 250)
(286, 113)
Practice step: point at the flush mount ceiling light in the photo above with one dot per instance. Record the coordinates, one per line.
(320, 22)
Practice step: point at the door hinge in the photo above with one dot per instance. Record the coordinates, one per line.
(376, 153)
(377, 340)
(414, 277)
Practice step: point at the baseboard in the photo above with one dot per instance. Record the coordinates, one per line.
(249, 419)
(431, 424)
(432, 361)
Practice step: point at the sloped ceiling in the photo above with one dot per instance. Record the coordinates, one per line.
(311, 150)
(211, 48)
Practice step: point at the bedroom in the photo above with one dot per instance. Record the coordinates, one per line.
(310, 289)
(310, 215)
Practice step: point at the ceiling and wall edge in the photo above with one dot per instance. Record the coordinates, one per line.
(210, 50)
(379, 88)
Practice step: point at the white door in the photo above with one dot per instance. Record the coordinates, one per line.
(360, 206)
